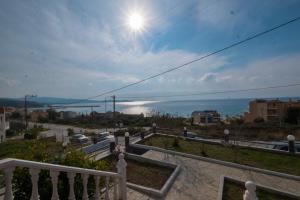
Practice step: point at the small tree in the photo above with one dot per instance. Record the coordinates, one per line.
(259, 120)
(293, 116)
(175, 142)
(70, 131)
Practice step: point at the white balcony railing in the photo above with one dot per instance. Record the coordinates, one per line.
(118, 179)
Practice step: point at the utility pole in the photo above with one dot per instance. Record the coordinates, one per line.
(105, 105)
(114, 105)
(25, 109)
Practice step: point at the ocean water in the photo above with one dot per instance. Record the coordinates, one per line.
(184, 108)
(230, 107)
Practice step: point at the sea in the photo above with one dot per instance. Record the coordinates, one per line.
(182, 108)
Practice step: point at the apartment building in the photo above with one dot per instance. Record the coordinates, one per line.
(268, 110)
(206, 117)
(4, 125)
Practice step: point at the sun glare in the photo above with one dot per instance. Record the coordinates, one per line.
(136, 22)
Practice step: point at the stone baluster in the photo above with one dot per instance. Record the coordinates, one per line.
(116, 189)
(107, 188)
(250, 193)
(85, 195)
(8, 172)
(97, 191)
(121, 166)
(54, 178)
(71, 177)
(34, 180)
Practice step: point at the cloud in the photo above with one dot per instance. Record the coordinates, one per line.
(207, 77)
(74, 46)
(7, 82)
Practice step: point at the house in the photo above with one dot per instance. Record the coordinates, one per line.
(38, 114)
(206, 117)
(67, 115)
(4, 125)
(268, 110)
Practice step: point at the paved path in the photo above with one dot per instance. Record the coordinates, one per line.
(200, 180)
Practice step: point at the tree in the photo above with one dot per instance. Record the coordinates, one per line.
(293, 116)
(259, 120)
(70, 131)
(52, 114)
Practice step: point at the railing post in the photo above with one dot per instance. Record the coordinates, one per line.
(154, 127)
(250, 193)
(226, 135)
(121, 166)
(97, 192)
(291, 140)
(8, 186)
(115, 188)
(54, 178)
(34, 180)
(71, 177)
(184, 131)
(85, 195)
(107, 188)
(126, 136)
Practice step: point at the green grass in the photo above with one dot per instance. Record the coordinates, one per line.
(140, 173)
(30, 149)
(289, 164)
(235, 191)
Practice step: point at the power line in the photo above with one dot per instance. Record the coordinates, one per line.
(195, 60)
(216, 92)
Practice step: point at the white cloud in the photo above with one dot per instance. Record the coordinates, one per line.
(8, 82)
(61, 48)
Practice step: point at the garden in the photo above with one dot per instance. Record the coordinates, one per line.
(284, 163)
(234, 191)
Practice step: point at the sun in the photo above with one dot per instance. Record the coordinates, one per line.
(136, 22)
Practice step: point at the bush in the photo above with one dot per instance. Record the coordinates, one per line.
(16, 126)
(259, 120)
(293, 116)
(70, 131)
(29, 136)
(10, 133)
(43, 119)
(176, 142)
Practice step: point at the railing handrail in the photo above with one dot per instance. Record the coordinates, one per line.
(12, 162)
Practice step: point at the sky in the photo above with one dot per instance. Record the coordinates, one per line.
(78, 49)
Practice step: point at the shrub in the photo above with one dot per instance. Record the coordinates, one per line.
(259, 120)
(175, 142)
(293, 116)
(70, 131)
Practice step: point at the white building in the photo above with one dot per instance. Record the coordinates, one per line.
(206, 117)
(67, 115)
(4, 125)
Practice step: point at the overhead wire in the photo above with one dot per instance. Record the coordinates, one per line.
(212, 92)
(193, 61)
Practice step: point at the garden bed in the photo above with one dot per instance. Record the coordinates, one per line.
(141, 173)
(284, 163)
(234, 190)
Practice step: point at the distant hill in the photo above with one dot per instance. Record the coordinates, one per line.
(56, 100)
(6, 102)
(45, 101)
